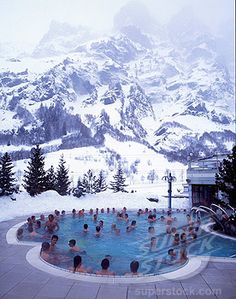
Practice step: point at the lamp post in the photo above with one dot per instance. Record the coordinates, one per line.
(188, 180)
(169, 178)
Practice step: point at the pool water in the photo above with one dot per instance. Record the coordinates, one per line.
(134, 245)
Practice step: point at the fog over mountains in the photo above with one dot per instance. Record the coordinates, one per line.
(169, 87)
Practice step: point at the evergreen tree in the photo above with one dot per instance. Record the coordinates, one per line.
(101, 183)
(35, 175)
(6, 175)
(62, 178)
(90, 182)
(119, 181)
(79, 190)
(226, 178)
(152, 176)
(50, 179)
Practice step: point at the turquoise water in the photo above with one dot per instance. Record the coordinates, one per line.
(126, 247)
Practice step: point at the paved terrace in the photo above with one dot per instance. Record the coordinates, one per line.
(19, 279)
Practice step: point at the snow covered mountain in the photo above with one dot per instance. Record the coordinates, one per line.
(61, 38)
(170, 93)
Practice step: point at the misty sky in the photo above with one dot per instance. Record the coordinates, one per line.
(28, 20)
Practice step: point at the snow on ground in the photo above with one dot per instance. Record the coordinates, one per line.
(147, 160)
(80, 160)
(188, 120)
(48, 201)
(7, 121)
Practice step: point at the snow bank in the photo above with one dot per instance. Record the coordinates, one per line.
(49, 201)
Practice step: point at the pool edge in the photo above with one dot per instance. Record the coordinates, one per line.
(194, 265)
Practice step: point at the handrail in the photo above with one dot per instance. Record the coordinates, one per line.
(193, 209)
(213, 215)
(224, 225)
(229, 206)
(208, 209)
(197, 209)
(218, 207)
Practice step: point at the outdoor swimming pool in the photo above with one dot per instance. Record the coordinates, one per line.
(128, 246)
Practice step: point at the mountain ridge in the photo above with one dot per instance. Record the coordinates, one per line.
(151, 92)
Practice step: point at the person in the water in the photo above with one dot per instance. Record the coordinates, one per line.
(51, 224)
(86, 228)
(113, 227)
(176, 240)
(73, 247)
(45, 251)
(19, 233)
(153, 244)
(31, 230)
(183, 247)
(133, 224)
(98, 231)
(78, 266)
(171, 257)
(134, 265)
(105, 268)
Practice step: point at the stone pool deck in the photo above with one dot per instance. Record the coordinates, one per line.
(19, 279)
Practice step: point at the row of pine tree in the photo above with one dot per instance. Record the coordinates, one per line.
(37, 180)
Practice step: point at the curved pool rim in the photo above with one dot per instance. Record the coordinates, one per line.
(193, 266)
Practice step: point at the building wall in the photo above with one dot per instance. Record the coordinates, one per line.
(201, 180)
(203, 194)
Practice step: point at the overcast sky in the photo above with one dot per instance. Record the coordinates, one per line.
(28, 20)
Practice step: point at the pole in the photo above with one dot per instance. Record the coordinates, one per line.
(169, 178)
(170, 190)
